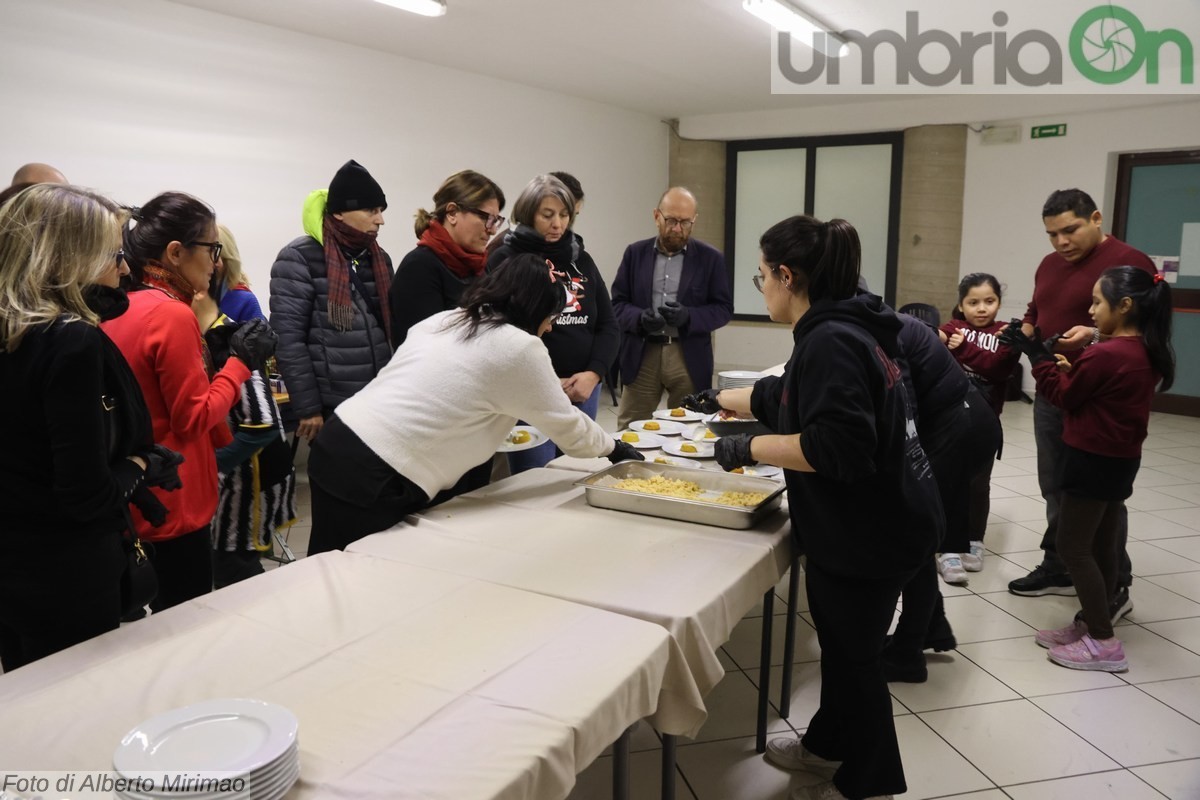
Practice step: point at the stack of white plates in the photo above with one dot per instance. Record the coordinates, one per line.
(736, 379)
(213, 750)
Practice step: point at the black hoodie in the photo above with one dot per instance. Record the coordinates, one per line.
(871, 509)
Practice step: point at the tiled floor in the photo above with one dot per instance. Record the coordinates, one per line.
(996, 721)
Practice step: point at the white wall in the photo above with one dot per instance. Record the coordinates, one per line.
(133, 97)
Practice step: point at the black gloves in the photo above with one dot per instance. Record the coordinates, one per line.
(254, 343)
(162, 468)
(217, 340)
(624, 451)
(734, 450)
(1013, 336)
(651, 322)
(675, 314)
(704, 402)
(154, 511)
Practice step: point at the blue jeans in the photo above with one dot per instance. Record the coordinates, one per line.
(543, 454)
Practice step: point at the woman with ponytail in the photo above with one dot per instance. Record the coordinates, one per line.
(864, 504)
(172, 249)
(1105, 396)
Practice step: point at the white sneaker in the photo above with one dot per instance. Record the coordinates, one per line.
(827, 791)
(950, 567)
(790, 753)
(973, 561)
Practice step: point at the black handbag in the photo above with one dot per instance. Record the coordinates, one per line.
(139, 581)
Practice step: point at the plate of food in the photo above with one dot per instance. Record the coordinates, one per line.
(522, 437)
(700, 433)
(675, 462)
(688, 449)
(640, 439)
(759, 471)
(661, 427)
(677, 415)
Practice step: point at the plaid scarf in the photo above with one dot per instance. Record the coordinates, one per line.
(340, 237)
(156, 276)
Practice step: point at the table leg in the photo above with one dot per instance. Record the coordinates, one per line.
(620, 789)
(789, 641)
(764, 672)
(668, 767)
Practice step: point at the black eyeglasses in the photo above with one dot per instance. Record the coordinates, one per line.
(120, 256)
(490, 221)
(214, 248)
(758, 281)
(685, 225)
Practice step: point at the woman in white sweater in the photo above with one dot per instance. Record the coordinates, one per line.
(444, 403)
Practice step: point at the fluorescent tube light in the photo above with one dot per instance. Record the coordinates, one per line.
(426, 8)
(783, 16)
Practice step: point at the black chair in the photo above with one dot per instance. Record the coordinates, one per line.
(924, 312)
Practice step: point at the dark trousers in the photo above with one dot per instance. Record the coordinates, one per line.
(338, 523)
(854, 723)
(980, 500)
(184, 567)
(1051, 450)
(1088, 537)
(922, 605)
(57, 594)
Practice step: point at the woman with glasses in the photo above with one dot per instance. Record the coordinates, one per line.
(445, 402)
(173, 249)
(450, 252)
(583, 343)
(77, 436)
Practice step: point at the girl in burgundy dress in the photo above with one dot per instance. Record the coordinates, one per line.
(972, 338)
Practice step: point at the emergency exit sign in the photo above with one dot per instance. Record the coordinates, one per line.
(1047, 131)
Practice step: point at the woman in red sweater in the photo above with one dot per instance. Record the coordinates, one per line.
(1105, 397)
(172, 248)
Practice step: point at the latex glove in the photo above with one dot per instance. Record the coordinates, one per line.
(1033, 346)
(675, 314)
(704, 402)
(651, 322)
(145, 501)
(162, 467)
(624, 451)
(734, 451)
(254, 343)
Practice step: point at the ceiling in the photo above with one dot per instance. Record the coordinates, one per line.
(667, 58)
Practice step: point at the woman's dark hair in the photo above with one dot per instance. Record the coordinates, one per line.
(466, 188)
(1151, 313)
(169, 217)
(521, 291)
(825, 257)
(968, 283)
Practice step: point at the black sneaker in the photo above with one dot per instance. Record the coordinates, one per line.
(1043, 581)
(903, 666)
(1121, 605)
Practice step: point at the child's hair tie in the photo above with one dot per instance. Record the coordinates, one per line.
(1158, 277)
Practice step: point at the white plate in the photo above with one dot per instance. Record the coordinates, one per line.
(646, 441)
(667, 427)
(763, 471)
(695, 433)
(688, 416)
(740, 374)
(703, 449)
(537, 438)
(259, 783)
(674, 462)
(230, 736)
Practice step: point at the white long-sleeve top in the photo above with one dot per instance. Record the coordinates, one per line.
(443, 405)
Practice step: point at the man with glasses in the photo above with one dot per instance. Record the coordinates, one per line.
(328, 298)
(671, 292)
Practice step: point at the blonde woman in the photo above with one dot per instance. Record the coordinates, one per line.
(77, 431)
(229, 284)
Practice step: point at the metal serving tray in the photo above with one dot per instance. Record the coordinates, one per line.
(600, 492)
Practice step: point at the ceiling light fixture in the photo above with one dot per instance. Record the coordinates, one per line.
(783, 16)
(426, 8)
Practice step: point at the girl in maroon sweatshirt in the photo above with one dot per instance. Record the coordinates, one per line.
(1105, 396)
(973, 338)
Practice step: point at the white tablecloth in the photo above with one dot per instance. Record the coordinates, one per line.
(407, 682)
(535, 532)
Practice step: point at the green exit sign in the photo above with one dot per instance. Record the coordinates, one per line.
(1047, 131)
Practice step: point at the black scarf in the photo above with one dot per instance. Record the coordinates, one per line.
(564, 252)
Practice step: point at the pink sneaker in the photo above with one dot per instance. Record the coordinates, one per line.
(1105, 655)
(1072, 633)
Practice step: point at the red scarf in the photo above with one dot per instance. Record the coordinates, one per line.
(340, 237)
(158, 277)
(463, 263)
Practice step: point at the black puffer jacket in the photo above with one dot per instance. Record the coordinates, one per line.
(321, 365)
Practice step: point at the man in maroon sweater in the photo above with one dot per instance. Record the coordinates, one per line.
(1062, 295)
